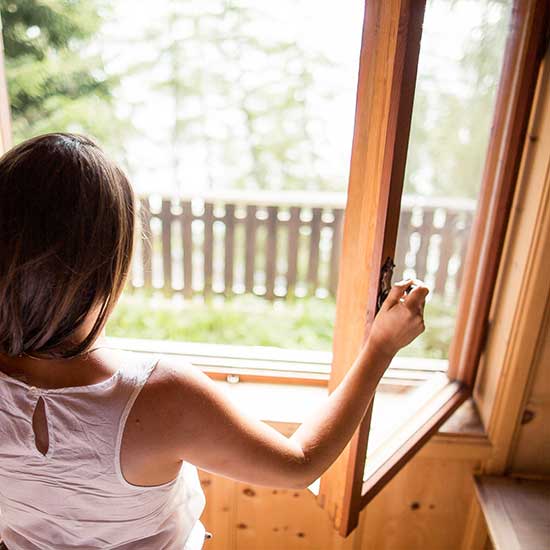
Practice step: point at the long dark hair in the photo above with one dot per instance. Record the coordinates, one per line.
(66, 238)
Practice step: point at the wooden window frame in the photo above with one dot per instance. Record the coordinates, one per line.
(387, 74)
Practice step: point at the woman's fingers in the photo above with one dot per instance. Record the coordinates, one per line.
(416, 298)
(396, 293)
(411, 292)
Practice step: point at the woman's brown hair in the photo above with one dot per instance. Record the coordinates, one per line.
(66, 239)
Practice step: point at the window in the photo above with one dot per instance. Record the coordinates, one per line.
(389, 60)
(226, 115)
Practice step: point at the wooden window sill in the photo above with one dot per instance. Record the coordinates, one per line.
(516, 511)
(259, 379)
(268, 364)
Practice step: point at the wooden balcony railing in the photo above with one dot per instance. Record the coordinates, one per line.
(281, 245)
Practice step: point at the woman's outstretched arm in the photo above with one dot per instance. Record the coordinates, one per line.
(192, 418)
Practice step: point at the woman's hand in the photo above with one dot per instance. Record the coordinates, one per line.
(400, 319)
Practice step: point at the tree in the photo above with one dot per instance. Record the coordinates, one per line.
(56, 81)
(454, 108)
(239, 99)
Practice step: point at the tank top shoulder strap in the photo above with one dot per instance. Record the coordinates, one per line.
(135, 369)
(134, 374)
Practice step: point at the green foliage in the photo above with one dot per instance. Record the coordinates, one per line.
(239, 98)
(245, 320)
(434, 342)
(242, 97)
(55, 82)
(306, 323)
(453, 110)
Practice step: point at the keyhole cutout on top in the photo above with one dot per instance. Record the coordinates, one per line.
(40, 427)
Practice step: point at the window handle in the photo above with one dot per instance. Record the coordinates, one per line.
(384, 285)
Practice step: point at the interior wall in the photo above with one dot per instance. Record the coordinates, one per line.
(531, 454)
(425, 506)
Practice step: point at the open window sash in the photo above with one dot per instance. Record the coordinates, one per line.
(387, 76)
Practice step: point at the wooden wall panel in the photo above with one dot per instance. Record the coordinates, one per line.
(532, 447)
(425, 506)
(283, 519)
(219, 515)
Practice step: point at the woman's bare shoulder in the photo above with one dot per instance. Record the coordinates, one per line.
(164, 414)
(183, 415)
(170, 404)
(174, 379)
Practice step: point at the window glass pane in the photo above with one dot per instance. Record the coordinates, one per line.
(250, 108)
(459, 68)
(208, 97)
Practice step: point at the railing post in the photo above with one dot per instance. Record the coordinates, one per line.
(403, 241)
(463, 246)
(271, 251)
(147, 244)
(250, 247)
(314, 240)
(166, 220)
(208, 247)
(425, 231)
(446, 248)
(336, 243)
(292, 251)
(187, 243)
(229, 249)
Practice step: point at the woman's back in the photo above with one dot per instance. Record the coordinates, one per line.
(66, 490)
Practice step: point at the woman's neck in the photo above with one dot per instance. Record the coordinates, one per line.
(91, 368)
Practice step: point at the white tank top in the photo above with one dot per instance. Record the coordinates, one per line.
(75, 496)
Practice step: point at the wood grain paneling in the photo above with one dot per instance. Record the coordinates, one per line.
(531, 452)
(425, 507)
(517, 512)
